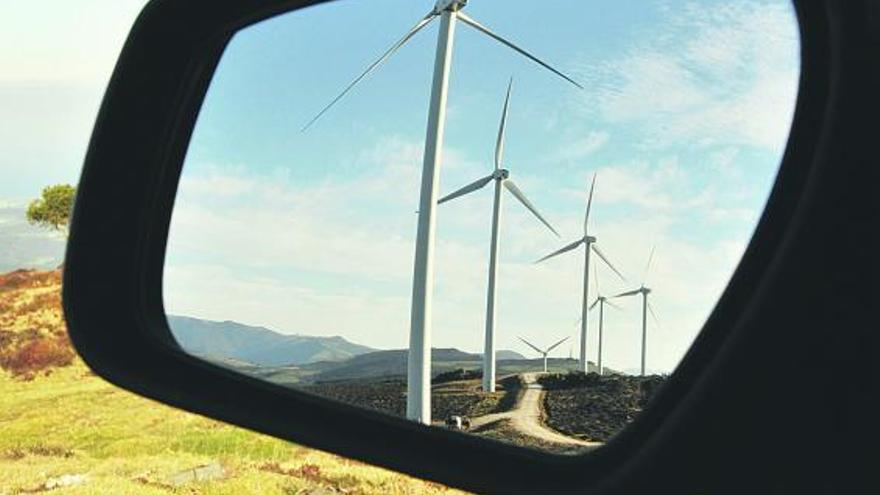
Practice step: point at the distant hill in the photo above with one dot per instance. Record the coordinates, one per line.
(388, 364)
(296, 358)
(24, 245)
(499, 355)
(232, 342)
(392, 364)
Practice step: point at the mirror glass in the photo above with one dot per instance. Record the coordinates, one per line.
(603, 159)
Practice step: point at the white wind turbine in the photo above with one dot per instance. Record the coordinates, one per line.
(545, 352)
(589, 243)
(418, 398)
(646, 306)
(601, 301)
(501, 177)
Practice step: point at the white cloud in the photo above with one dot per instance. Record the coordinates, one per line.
(335, 257)
(717, 75)
(582, 146)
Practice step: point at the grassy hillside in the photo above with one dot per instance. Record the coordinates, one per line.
(65, 430)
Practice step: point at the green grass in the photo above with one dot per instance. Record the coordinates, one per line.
(72, 422)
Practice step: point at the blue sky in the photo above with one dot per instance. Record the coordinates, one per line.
(684, 115)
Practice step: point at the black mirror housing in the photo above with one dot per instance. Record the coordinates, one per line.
(741, 409)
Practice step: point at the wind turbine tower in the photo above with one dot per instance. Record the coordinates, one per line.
(545, 352)
(601, 301)
(646, 307)
(501, 177)
(418, 399)
(589, 243)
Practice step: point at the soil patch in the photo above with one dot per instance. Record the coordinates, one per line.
(595, 408)
(389, 396)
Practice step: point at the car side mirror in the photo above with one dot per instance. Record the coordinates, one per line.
(115, 274)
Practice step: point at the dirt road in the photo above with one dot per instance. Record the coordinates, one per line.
(527, 416)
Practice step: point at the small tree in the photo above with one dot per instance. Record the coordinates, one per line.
(52, 210)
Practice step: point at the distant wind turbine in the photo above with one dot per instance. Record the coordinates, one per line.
(646, 306)
(601, 301)
(545, 352)
(501, 177)
(418, 397)
(589, 243)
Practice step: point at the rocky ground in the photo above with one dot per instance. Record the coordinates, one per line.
(592, 407)
(389, 396)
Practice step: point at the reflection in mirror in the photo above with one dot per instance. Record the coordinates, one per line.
(601, 172)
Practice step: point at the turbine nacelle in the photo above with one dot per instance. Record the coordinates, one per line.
(450, 5)
(588, 239)
(501, 174)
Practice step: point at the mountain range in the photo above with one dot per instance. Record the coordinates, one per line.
(241, 345)
(259, 346)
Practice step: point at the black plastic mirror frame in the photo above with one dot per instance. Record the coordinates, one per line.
(115, 258)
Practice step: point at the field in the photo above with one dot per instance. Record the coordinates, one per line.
(65, 431)
(389, 396)
(595, 408)
(385, 365)
(72, 423)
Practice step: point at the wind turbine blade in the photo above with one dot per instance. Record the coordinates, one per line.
(402, 41)
(653, 314)
(555, 345)
(589, 202)
(522, 199)
(560, 251)
(596, 278)
(594, 304)
(602, 255)
(479, 27)
(628, 293)
(473, 186)
(648, 265)
(615, 306)
(499, 144)
(539, 351)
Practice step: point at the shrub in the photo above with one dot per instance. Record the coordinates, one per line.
(7, 337)
(648, 388)
(572, 379)
(19, 279)
(37, 355)
(457, 375)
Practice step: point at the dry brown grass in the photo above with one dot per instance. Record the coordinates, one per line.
(39, 355)
(58, 420)
(33, 338)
